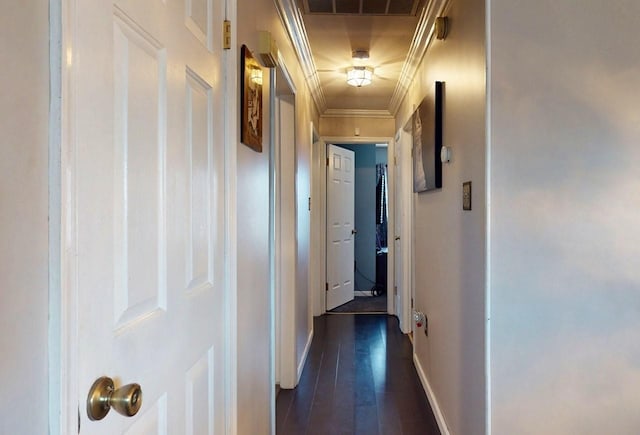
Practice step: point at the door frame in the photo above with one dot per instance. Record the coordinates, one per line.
(64, 396)
(316, 244)
(320, 175)
(283, 298)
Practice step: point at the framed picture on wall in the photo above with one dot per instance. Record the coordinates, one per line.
(427, 141)
(251, 104)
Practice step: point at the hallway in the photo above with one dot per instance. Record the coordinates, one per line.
(359, 378)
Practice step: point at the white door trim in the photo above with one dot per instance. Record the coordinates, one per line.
(274, 252)
(231, 90)
(68, 309)
(321, 176)
(55, 214)
(317, 260)
(64, 299)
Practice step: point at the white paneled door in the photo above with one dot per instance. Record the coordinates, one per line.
(147, 126)
(340, 230)
(398, 222)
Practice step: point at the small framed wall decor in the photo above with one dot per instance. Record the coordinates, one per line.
(251, 96)
(466, 195)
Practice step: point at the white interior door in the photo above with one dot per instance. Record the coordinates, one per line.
(286, 241)
(147, 79)
(340, 230)
(404, 223)
(398, 254)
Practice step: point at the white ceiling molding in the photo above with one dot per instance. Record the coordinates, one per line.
(421, 40)
(292, 19)
(357, 113)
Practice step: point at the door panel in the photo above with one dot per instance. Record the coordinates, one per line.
(340, 216)
(139, 172)
(399, 209)
(404, 219)
(149, 173)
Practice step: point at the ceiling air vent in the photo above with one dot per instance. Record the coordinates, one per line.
(362, 7)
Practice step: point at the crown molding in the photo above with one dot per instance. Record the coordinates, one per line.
(356, 113)
(291, 18)
(421, 40)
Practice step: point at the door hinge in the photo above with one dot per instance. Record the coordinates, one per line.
(395, 161)
(326, 286)
(226, 35)
(327, 161)
(309, 203)
(411, 302)
(395, 290)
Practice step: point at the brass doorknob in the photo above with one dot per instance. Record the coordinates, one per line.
(103, 396)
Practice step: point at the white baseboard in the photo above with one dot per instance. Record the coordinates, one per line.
(304, 356)
(442, 424)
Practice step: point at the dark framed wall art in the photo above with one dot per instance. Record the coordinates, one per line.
(251, 104)
(427, 141)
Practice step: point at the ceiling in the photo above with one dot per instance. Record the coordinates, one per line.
(332, 39)
(384, 28)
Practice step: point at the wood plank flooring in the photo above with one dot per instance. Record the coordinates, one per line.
(359, 378)
(364, 304)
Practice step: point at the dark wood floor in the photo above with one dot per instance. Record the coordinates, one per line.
(359, 378)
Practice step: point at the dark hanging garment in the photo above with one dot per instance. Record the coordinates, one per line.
(381, 206)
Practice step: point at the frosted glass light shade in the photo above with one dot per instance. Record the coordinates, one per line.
(359, 76)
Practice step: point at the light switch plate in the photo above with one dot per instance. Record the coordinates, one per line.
(466, 195)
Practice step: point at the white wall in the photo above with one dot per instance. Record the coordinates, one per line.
(564, 214)
(254, 380)
(346, 127)
(24, 100)
(254, 387)
(449, 242)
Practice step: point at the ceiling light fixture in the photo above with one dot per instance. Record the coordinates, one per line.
(359, 76)
(360, 54)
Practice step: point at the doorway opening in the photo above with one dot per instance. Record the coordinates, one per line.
(370, 247)
(283, 228)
